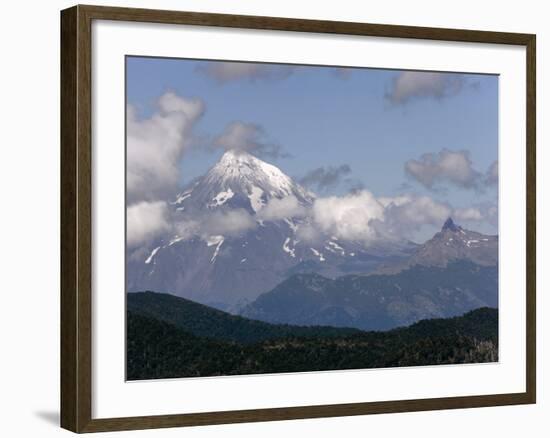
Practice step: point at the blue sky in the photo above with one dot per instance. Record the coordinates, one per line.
(374, 121)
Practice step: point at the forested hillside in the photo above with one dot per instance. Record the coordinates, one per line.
(186, 348)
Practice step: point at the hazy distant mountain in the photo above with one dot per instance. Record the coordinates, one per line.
(450, 244)
(453, 272)
(379, 302)
(228, 269)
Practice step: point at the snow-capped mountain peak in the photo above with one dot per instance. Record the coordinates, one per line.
(241, 180)
(242, 171)
(242, 167)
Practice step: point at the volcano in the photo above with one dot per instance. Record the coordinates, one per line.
(240, 235)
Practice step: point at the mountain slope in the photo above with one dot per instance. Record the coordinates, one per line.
(207, 322)
(240, 180)
(450, 244)
(157, 349)
(379, 302)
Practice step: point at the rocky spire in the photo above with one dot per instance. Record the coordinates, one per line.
(450, 225)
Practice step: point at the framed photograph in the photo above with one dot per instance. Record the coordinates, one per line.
(269, 218)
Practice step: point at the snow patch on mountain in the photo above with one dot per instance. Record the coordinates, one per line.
(291, 225)
(255, 197)
(334, 246)
(150, 258)
(175, 239)
(221, 198)
(215, 240)
(318, 254)
(288, 249)
(182, 197)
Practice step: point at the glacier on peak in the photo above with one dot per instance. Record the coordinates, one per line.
(243, 172)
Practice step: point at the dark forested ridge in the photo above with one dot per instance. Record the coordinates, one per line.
(193, 340)
(205, 321)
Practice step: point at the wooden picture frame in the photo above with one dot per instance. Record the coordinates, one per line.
(76, 217)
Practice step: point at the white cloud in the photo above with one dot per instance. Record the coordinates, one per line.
(326, 177)
(219, 222)
(479, 213)
(145, 221)
(186, 228)
(446, 166)
(308, 233)
(491, 176)
(239, 136)
(277, 209)
(247, 137)
(227, 223)
(397, 200)
(468, 214)
(155, 146)
(358, 216)
(363, 217)
(407, 214)
(409, 85)
(224, 72)
(492, 214)
(348, 217)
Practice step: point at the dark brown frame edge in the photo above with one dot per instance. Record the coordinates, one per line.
(76, 238)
